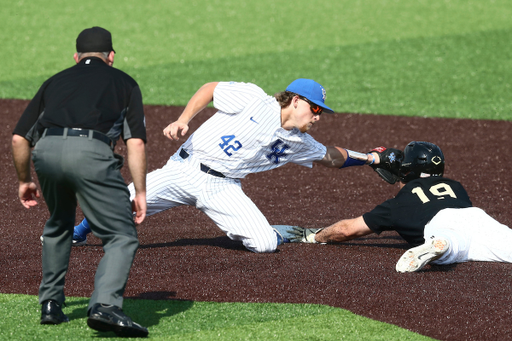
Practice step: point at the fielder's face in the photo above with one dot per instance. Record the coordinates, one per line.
(305, 116)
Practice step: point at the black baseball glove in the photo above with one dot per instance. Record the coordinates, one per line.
(390, 160)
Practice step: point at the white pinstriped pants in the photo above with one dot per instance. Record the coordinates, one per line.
(181, 182)
(473, 236)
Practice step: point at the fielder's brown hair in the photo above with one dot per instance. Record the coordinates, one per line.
(284, 98)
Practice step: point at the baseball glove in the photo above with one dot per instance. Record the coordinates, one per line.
(303, 235)
(390, 160)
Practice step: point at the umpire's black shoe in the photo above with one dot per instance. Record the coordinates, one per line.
(110, 318)
(51, 313)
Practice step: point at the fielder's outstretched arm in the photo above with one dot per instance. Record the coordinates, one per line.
(196, 104)
(385, 161)
(337, 157)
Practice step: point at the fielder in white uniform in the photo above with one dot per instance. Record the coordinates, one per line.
(251, 132)
(430, 212)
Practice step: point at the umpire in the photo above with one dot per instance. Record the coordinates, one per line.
(73, 123)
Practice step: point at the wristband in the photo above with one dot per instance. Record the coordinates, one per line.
(373, 160)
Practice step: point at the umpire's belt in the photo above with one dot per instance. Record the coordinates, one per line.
(93, 134)
(204, 168)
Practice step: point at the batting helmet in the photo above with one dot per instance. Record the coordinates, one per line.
(421, 159)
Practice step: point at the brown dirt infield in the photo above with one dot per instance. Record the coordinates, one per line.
(183, 256)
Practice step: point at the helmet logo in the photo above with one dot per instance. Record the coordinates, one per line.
(436, 160)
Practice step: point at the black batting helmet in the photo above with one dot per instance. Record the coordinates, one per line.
(421, 159)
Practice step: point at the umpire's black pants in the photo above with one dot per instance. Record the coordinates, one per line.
(71, 168)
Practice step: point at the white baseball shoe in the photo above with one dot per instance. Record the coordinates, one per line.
(416, 258)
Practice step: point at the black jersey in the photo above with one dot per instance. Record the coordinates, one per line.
(88, 95)
(415, 205)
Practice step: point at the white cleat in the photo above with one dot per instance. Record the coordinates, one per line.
(417, 257)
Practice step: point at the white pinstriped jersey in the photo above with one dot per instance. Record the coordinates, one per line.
(245, 135)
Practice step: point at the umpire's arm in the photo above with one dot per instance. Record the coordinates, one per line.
(21, 152)
(138, 168)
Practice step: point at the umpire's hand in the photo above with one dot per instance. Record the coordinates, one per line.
(139, 208)
(28, 193)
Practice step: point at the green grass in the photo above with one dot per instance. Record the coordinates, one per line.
(398, 57)
(187, 320)
(444, 58)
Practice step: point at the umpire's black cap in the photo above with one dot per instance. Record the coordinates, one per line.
(94, 39)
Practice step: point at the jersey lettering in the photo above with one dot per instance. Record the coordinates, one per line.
(226, 139)
(440, 191)
(227, 146)
(277, 151)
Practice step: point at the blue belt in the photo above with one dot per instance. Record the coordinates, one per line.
(80, 133)
(204, 168)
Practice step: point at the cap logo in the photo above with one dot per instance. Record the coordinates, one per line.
(324, 94)
(436, 160)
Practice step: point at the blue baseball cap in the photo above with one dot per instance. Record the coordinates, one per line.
(311, 90)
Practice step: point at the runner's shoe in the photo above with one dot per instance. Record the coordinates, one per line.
(419, 256)
(78, 240)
